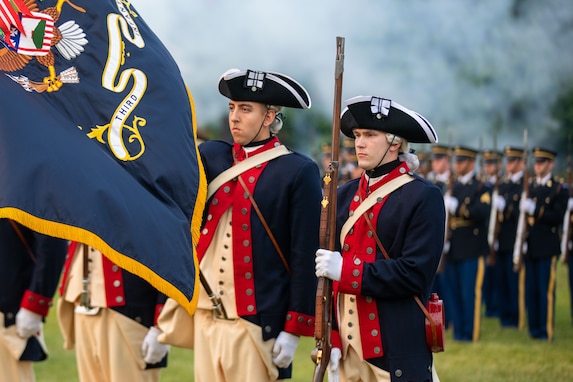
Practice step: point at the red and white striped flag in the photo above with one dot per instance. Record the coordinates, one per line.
(10, 17)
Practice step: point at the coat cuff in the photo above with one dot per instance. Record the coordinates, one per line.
(335, 339)
(158, 309)
(300, 324)
(351, 276)
(36, 303)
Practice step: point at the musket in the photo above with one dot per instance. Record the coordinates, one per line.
(567, 218)
(324, 295)
(494, 217)
(521, 222)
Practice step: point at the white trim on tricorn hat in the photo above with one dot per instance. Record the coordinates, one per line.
(270, 88)
(376, 113)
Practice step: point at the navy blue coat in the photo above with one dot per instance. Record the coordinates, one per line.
(288, 194)
(411, 227)
(511, 192)
(469, 226)
(19, 273)
(543, 238)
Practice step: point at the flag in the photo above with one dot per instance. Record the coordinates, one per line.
(35, 37)
(98, 144)
(10, 11)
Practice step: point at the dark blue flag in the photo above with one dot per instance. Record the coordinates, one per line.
(98, 143)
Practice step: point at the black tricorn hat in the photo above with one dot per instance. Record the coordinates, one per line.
(269, 88)
(375, 113)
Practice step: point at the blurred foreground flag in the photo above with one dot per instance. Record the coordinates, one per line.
(98, 141)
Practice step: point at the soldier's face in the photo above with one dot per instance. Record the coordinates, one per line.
(513, 165)
(542, 168)
(464, 166)
(249, 121)
(372, 148)
(440, 165)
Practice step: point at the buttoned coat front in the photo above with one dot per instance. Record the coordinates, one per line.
(410, 226)
(288, 194)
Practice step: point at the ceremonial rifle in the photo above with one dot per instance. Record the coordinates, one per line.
(494, 220)
(449, 189)
(521, 222)
(324, 297)
(567, 218)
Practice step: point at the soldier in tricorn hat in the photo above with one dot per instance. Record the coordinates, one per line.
(260, 230)
(391, 227)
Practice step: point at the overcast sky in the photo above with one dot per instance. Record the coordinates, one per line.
(463, 64)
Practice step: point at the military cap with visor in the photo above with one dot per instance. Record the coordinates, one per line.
(491, 156)
(541, 154)
(440, 151)
(513, 153)
(464, 153)
(269, 88)
(376, 113)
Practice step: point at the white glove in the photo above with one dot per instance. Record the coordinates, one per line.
(328, 264)
(334, 365)
(451, 204)
(151, 350)
(446, 247)
(28, 323)
(570, 204)
(527, 206)
(284, 349)
(499, 203)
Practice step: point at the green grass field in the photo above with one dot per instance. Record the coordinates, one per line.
(500, 355)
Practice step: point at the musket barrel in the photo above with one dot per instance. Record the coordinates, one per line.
(324, 297)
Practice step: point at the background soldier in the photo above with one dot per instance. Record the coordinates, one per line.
(441, 176)
(545, 208)
(30, 267)
(491, 173)
(111, 320)
(469, 208)
(506, 208)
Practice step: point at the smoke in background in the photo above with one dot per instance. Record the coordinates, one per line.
(473, 68)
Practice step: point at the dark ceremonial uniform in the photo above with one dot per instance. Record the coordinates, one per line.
(107, 339)
(510, 189)
(442, 181)
(543, 249)
(379, 317)
(29, 275)
(250, 278)
(490, 289)
(465, 259)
